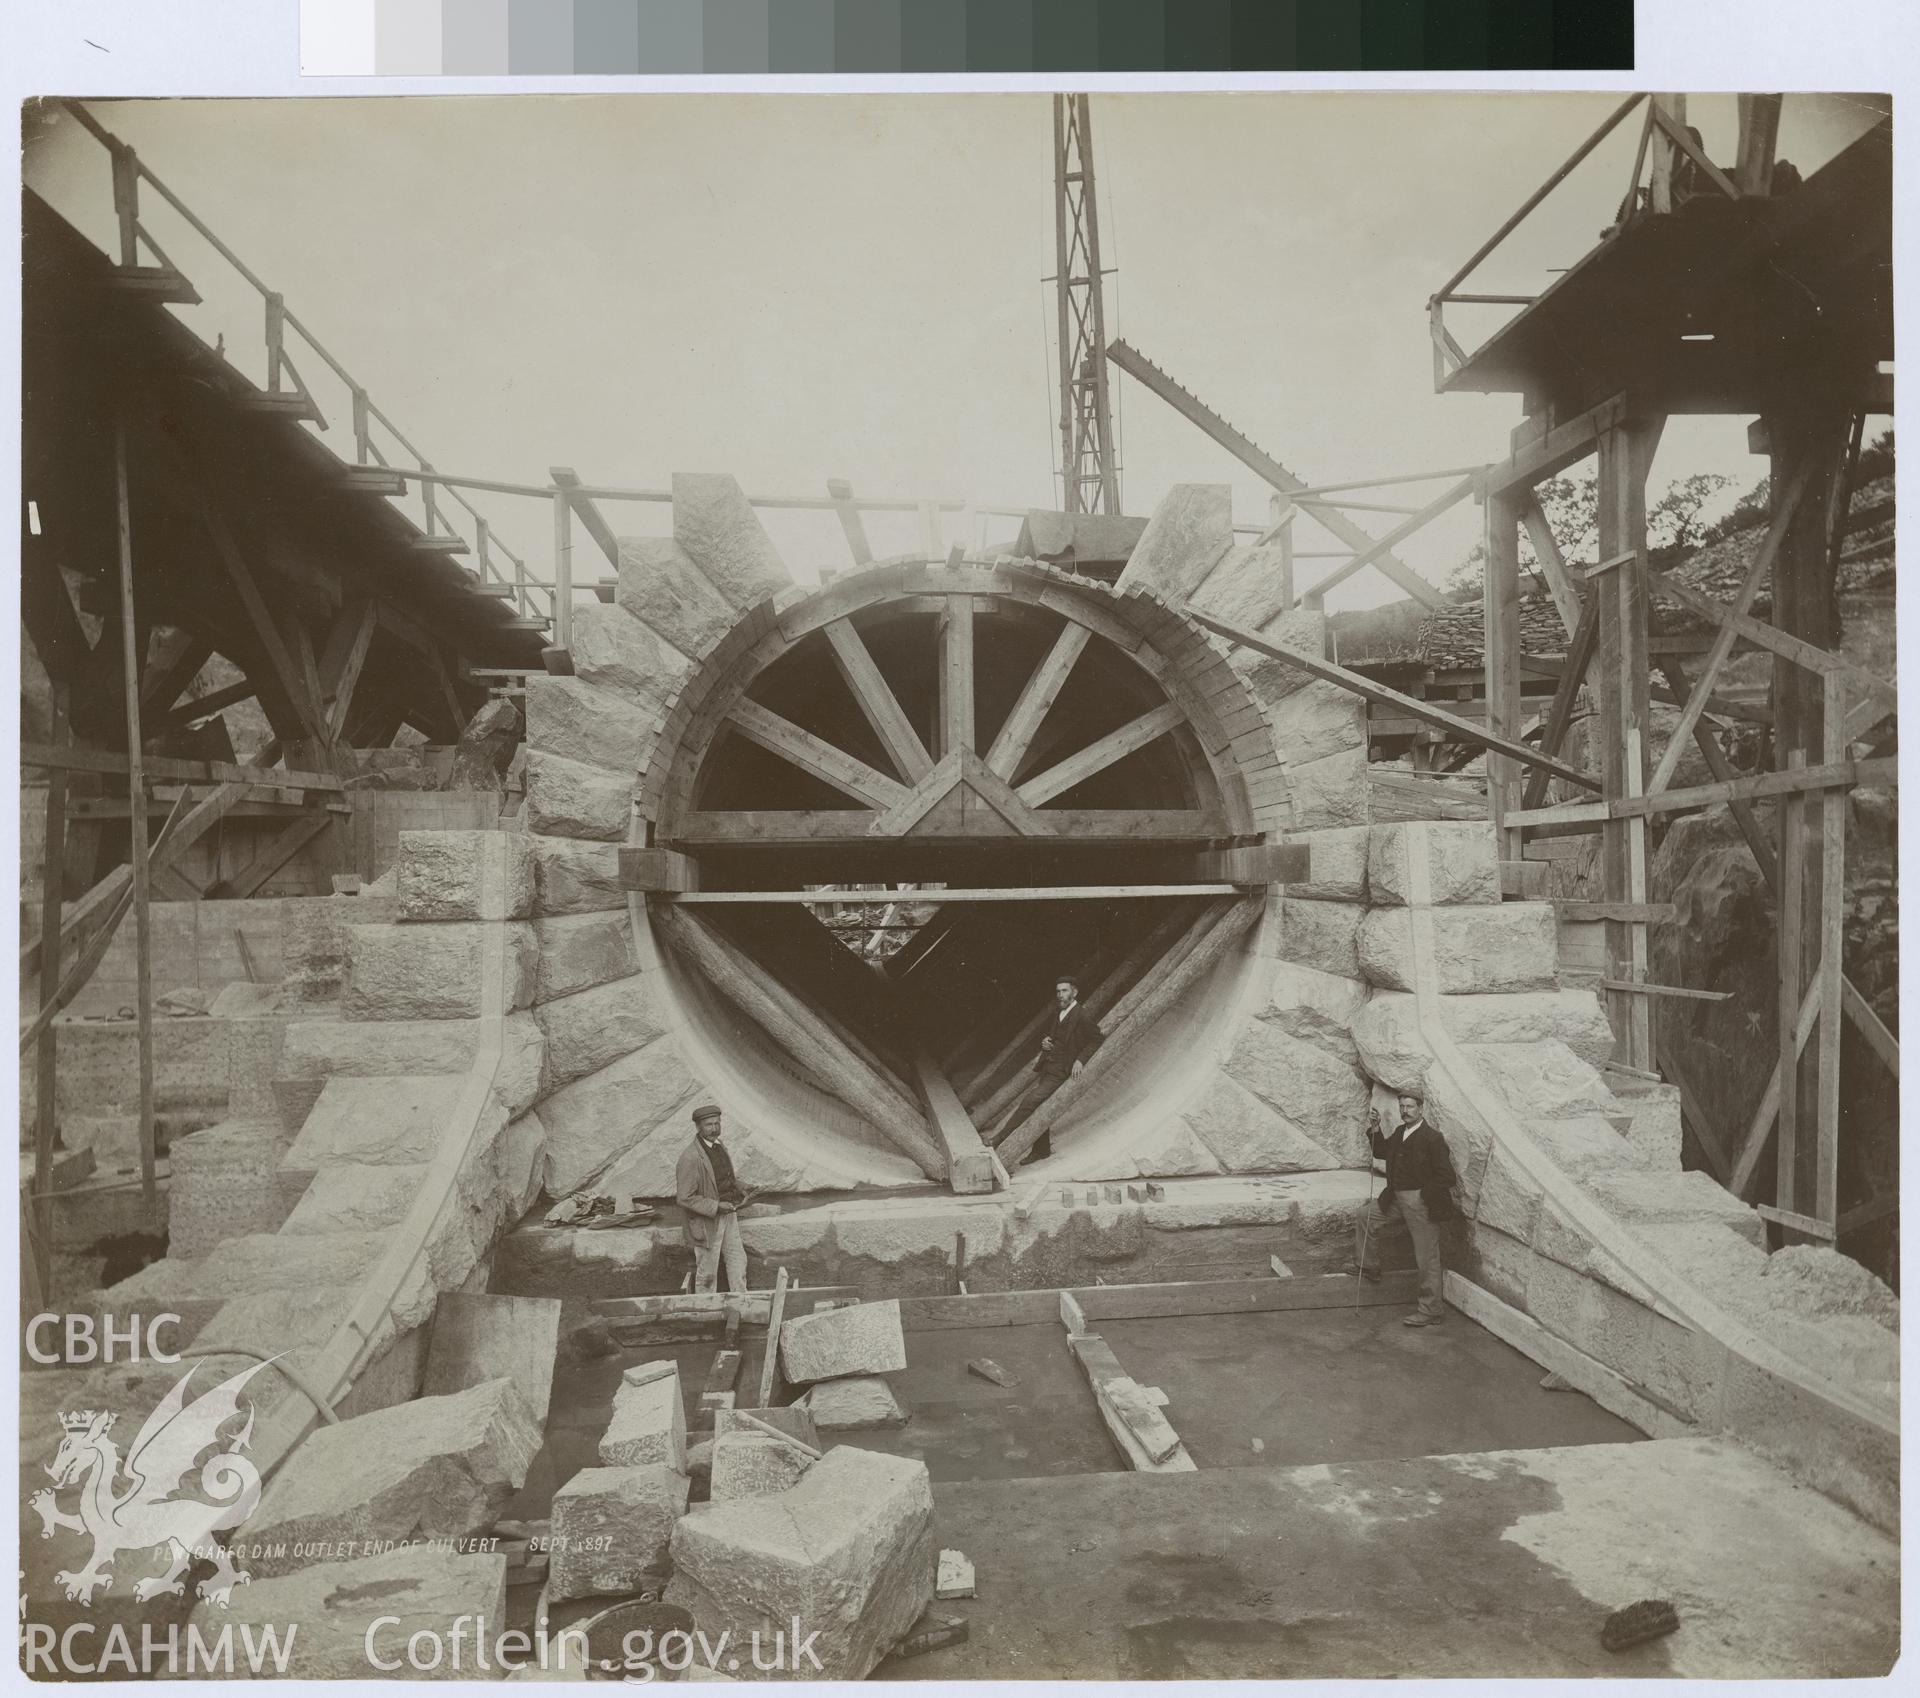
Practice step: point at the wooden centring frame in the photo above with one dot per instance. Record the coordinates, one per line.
(1220, 728)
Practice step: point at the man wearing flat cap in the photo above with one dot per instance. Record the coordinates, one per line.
(706, 1188)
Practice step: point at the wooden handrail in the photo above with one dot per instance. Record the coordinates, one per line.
(1540, 194)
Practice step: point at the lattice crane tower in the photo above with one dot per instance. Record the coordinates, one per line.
(1088, 466)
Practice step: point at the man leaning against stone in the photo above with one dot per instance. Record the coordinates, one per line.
(1417, 1199)
(705, 1186)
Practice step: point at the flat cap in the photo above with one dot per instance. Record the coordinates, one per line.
(706, 1111)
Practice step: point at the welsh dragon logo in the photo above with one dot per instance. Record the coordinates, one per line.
(151, 1510)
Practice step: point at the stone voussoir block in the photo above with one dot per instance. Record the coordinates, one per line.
(576, 876)
(663, 587)
(591, 1028)
(579, 951)
(603, 728)
(720, 532)
(569, 798)
(465, 875)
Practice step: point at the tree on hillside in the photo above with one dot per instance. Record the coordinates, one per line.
(1572, 506)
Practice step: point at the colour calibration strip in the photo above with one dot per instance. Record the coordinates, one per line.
(484, 38)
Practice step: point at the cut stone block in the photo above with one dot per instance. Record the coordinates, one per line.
(863, 1338)
(437, 1467)
(572, 876)
(1248, 1135)
(745, 1465)
(1332, 790)
(1541, 1081)
(1339, 864)
(865, 1400)
(465, 875)
(594, 1119)
(313, 948)
(1317, 720)
(316, 1049)
(393, 1121)
(1186, 536)
(1463, 863)
(1245, 589)
(426, 1589)
(662, 587)
(613, 651)
(567, 798)
(437, 972)
(225, 1183)
(723, 536)
(602, 728)
(649, 1424)
(1322, 935)
(1506, 947)
(353, 1196)
(579, 951)
(593, 1028)
(848, 1551)
(478, 1336)
(255, 1044)
(1307, 1084)
(611, 1526)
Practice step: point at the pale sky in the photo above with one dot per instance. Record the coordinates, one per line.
(793, 288)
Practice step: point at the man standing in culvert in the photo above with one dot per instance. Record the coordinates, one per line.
(705, 1186)
(1416, 1198)
(1069, 1040)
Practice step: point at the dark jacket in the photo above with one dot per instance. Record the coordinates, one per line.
(697, 1190)
(1418, 1160)
(1074, 1039)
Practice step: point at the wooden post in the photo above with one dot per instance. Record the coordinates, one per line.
(1759, 131)
(137, 818)
(276, 338)
(1500, 656)
(1833, 905)
(1660, 184)
(1626, 454)
(126, 201)
(1809, 443)
(1278, 507)
(562, 570)
(362, 434)
(46, 1131)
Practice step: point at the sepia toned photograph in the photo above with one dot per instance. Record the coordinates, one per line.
(959, 887)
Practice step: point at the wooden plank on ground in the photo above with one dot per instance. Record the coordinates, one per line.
(1145, 1434)
(770, 1367)
(969, 1163)
(1157, 1299)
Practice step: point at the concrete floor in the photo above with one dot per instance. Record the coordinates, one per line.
(1341, 1385)
(1490, 1565)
